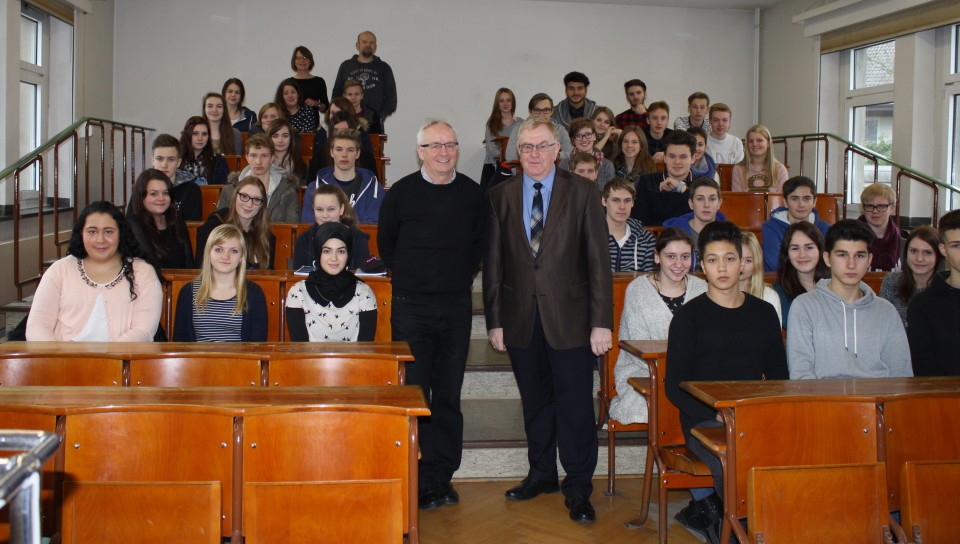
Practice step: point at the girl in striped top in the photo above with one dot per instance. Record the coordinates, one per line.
(221, 305)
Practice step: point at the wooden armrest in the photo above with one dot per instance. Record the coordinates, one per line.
(714, 438)
(641, 384)
(682, 459)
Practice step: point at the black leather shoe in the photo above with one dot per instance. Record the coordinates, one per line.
(530, 488)
(581, 510)
(448, 495)
(438, 494)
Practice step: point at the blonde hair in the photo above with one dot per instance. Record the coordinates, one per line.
(756, 285)
(222, 234)
(769, 162)
(879, 190)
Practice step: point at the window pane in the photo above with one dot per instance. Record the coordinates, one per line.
(955, 65)
(955, 152)
(28, 130)
(873, 129)
(29, 40)
(873, 65)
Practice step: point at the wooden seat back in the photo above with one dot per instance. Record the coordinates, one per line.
(816, 504)
(927, 512)
(209, 196)
(822, 432)
(502, 142)
(379, 143)
(322, 371)
(828, 205)
(197, 370)
(201, 452)
(61, 369)
(235, 163)
(306, 146)
(725, 171)
(917, 429)
(286, 235)
(143, 512)
(371, 229)
(744, 209)
(340, 485)
(608, 389)
(677, 467)
(275, 284)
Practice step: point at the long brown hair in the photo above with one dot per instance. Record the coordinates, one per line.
(205, 157)
(291, 161)
(908, 284)
(258, 237)
(149, 223)
(225, 127)
(644, 163)
(789, 277)
(495, 122)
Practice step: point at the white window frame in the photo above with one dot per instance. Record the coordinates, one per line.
(949, 85)
(856, 98)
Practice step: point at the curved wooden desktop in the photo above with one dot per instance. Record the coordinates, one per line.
(354, 447)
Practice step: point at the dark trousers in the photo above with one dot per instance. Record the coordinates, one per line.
(708, 458)
(438, 332)
(556, 389)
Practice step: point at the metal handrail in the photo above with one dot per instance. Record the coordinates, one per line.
(36, 159)
(20, 481)
(853, 149)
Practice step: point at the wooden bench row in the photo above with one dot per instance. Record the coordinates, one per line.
(286, 235)
(236, 163)
(801, 422)
(275, 284)
(608, 362)
(288, 465)
(191, 364)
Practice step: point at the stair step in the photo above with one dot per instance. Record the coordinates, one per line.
(483, 358)
(495, 446)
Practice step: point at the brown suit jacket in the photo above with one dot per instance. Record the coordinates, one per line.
(570, 279)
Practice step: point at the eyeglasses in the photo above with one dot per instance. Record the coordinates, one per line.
(875, 207)
(244, 197)
(528, 148)
(437, 146)
(541, 111)
(584, 136)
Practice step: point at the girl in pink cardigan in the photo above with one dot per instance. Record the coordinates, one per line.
(102, 291)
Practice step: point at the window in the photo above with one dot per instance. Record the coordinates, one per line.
(873, 66)
(869, 107)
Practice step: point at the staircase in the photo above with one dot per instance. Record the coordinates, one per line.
(494, 439)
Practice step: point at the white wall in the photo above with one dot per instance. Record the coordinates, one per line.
(449, 57)
(789, 71)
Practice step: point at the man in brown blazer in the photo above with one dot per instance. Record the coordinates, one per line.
(548, 293)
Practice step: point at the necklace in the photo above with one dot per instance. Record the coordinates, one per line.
(656, 284)
(91, 283)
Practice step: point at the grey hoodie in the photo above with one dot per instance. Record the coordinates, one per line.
(831, 338)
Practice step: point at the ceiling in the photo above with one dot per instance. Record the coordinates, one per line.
(705, 4)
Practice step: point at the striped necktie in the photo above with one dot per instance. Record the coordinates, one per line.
(536, 220)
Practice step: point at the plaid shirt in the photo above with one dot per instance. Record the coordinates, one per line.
(630, 117)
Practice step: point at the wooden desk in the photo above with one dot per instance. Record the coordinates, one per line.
(192, 364)
(174, 438)
(809, 422)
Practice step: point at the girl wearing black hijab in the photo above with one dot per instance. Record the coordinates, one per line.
(331, 305)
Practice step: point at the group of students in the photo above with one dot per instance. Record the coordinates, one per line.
(221, 304)
(839, 328)
(631, 144)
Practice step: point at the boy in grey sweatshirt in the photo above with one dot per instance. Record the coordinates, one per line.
(842, 329)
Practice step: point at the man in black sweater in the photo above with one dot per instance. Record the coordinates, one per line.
(430, 234)
(724, 334)
(933, 318)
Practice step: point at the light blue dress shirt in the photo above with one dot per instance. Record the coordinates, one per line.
(529, 191)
